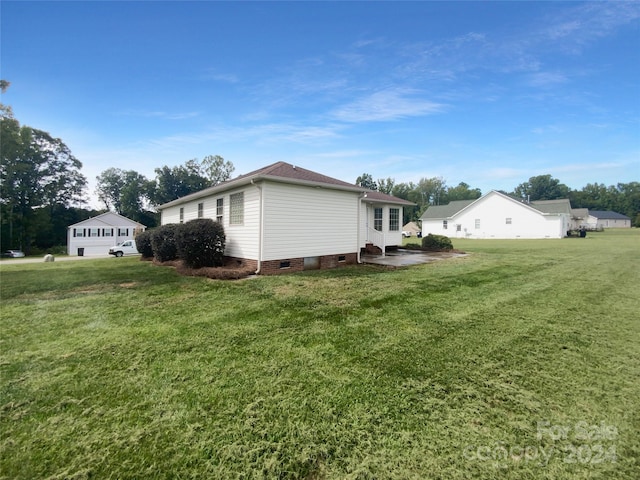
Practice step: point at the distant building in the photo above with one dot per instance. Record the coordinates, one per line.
(496, 215)
(95, 235)
(607, 219)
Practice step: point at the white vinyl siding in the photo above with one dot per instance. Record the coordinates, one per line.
(242, 240)
(497, 216)
(304, 222)
(95, 235)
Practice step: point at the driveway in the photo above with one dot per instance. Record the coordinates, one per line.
(62, 258)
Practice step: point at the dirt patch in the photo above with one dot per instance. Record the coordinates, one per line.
(231, 270)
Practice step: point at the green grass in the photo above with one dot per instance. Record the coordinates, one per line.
(116, 368)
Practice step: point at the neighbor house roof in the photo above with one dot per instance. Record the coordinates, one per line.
(437, 212)
(110, 219)
(561, 205)
(285, 172)
(607, 214)
(580, 213)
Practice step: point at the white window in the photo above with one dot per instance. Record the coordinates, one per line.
(200, 210)
(236, 208)
(78, 232)
(377, 218)
(123, 232)
(94, 232)
(477, 223)
(394, 219)
(445, 224)
(219, 209)
(107, 232)
(508, 221)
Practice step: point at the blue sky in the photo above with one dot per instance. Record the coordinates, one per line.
(487, 93)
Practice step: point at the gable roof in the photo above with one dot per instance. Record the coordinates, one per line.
(608, 214)
(108, 219)
(561, 205)
(285, 172)
(546, 207)
(437, 212)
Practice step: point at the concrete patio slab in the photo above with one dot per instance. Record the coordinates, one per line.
(404, 258)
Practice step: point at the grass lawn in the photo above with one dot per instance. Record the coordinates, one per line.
(519, 361)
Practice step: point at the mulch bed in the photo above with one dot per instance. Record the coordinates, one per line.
(231, 270)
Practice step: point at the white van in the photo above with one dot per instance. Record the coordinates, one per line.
(128, 247)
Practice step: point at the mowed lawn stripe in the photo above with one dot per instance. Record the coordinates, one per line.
(117, 368)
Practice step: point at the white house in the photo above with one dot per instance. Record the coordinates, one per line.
(282, 218)
(496, 215)
(607, 219)
(95, 235)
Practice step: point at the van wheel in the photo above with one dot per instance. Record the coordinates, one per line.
(118, 254)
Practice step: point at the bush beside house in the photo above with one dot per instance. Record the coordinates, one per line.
(436, 243)
(200, 243)
(143, 244)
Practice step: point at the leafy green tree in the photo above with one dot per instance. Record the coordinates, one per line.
(126, 192)
(37, 171)
(541, 187)
(366, 181)
(176, 182)
(216, 169)
(461, 192)
(385, 185)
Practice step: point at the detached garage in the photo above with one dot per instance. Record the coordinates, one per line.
(95, 235)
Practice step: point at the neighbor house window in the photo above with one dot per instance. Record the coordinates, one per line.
(200, 210)
(508, 221)
(477, 223)
(107, 232)
(123, 232)
(377, 219)
(394, 219)
(445, 224)
(458, 228)
(219, 209)
(181, 215)
(236, 208)
(78, 232)
(94, 232)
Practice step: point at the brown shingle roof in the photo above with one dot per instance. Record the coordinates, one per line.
(293, 174)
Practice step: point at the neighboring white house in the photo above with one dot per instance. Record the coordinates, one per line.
(95, 235)
(607, 219)
(496, 215)
(283, 218)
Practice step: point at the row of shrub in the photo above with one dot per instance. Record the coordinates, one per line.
(198, 243)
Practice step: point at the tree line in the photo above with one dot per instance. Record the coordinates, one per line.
(622, 198)
(42, 189)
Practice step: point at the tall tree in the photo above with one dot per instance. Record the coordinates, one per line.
(176, 182)
(126, 192)
(541, 187)
(216, 169)
(366, 181)
(462, 192)
(385, 185)
(36, 171)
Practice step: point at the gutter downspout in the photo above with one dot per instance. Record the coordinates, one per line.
(261, 208)
(360, 197)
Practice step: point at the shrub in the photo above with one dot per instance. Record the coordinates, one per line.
(163, 242)
(201, 243)
(436, 242)
(143, 243)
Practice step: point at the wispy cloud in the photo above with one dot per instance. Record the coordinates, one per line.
(387, 105)
(219, 76)
(546, 79)
(158, 114)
